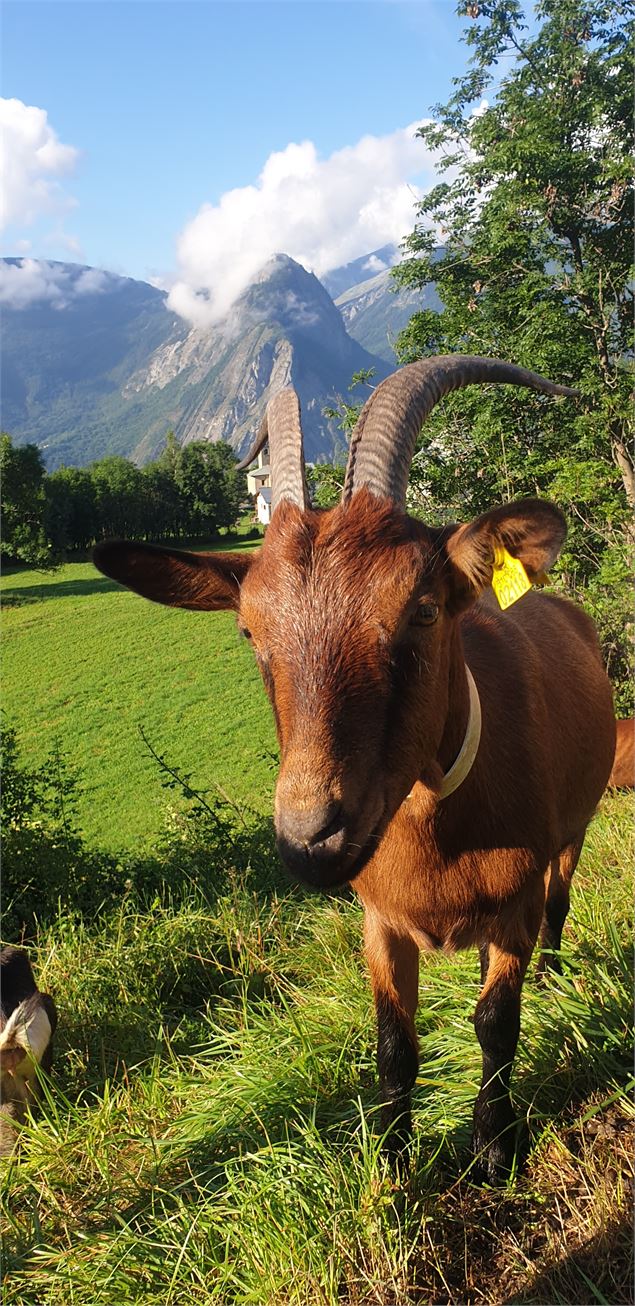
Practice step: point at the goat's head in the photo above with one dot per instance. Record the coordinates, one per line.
(352, 614)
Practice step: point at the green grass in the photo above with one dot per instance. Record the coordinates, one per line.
(210, 1135)
(85, 663)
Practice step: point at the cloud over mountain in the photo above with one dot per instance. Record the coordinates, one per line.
(322, 212)
(32, 159)
(93, 364)
(30, 281)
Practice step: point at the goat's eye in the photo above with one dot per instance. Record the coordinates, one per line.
(243, 631)
(425, 615)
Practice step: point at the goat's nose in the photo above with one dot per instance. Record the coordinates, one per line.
(311, 841)
(309, 826)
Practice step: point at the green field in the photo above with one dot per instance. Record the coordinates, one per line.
(210, 1131)
(85, 663)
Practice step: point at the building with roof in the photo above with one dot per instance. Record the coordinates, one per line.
(263, 505)
(258, 475)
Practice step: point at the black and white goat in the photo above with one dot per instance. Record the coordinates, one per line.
(28, 1020)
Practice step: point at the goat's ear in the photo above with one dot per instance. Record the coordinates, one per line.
(530, 529)
(203, 581)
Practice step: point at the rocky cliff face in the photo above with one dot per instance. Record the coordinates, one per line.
(373, 310)
(284, 330)
(112, 371)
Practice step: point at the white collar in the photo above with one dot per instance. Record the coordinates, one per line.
(469, 748)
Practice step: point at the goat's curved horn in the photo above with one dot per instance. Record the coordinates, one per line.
(281, 426)
(384, 438)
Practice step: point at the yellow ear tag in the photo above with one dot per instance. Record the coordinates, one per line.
(510, 580)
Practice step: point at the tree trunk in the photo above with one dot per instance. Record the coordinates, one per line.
(625, 464)
(624, 461)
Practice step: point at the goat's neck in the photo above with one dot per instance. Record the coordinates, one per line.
(458, 707)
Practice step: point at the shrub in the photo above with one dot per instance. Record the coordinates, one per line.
(207, 844)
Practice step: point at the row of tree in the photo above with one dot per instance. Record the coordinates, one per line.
(186, 493)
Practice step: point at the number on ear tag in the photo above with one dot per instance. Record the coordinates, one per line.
(510, 580)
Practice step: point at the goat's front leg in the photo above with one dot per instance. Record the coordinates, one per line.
(497, 1024)
(393, 960)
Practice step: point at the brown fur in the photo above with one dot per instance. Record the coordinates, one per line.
(623, 773)
(371, 706)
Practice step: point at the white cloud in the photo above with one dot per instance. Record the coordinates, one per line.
(374, 265)
(91, 281)
(322, 212)
(480, 109)
(32, 158)
(31, 281)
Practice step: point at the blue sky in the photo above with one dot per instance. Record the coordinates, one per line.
(154, 111)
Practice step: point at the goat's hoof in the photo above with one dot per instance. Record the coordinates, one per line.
(493, 1160)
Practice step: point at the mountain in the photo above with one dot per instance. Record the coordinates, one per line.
(283, 330)
(373, 308)
(375, 311)
(361, 269)
(100, 365)
(68, 354)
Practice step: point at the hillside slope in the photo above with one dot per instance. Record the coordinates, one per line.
(374, 309)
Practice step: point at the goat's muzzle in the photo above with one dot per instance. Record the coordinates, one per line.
(314, 844)
(321, 846)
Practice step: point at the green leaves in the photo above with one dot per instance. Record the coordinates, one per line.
(535, 220)
(210, 487)
(23, 504)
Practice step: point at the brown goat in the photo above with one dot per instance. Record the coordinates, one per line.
(443, 756)
(623, 773)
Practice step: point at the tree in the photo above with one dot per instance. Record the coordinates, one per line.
(325, 482)
(119, 498)
(165, 513)
(232, 484)
(71, 509)
(211, 487)
(169, 456)
(23, 504)
(535, 219)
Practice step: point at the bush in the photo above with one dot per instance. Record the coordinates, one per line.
(48, 867)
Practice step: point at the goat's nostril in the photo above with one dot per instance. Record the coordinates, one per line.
(308, 827)
(331, 827)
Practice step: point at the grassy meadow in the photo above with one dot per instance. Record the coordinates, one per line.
(85, 663)
(209, 1134)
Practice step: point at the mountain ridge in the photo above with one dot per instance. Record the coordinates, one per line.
(99, 364)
